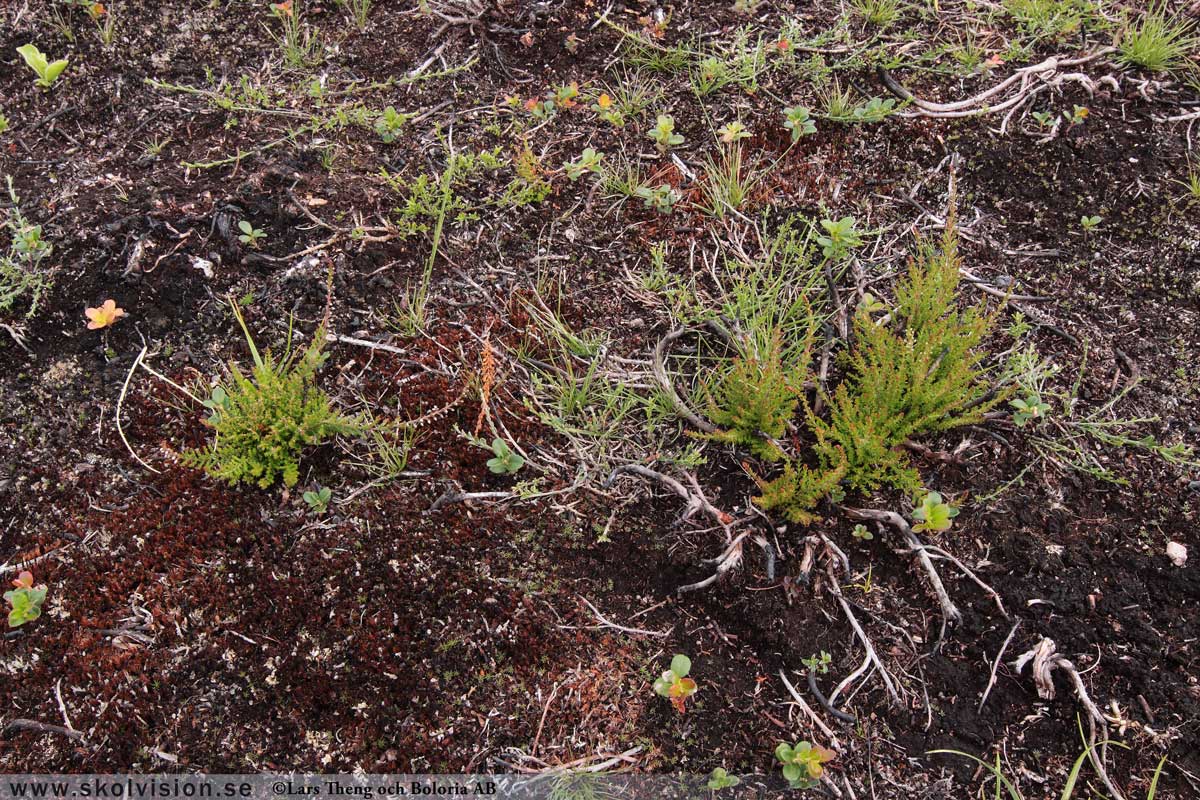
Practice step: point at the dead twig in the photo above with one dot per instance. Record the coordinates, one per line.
(950, 613)
(1043, 660)
(995, 665)
(659, 368)
(15, 725)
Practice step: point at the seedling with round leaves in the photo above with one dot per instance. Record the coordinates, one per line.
(25, 601)
(589, 161)
(318, 501)
(1028, 409)
(732, 132)
(47, 71)
(720, 779)
(933, 514)
(389, 124)
(675, 684)
(798, 120)
(250, 235)
(505, 461)
(803, 763)
(841, 236)
(663, 133)
(661, 198)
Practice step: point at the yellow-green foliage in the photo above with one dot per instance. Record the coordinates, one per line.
(262, 422)
(918, 373)
(754, 400)
(798, 489)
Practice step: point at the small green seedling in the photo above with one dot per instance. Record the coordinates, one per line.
(1090, 223)
(1079, 114)
(819, 664)
(802, 763)
(1031, 407)
(870, 304)
(47, 70)
(664, 135)
(874, 109)
(318, 501)
(1044, 118)
(506, 462)
(933, 514)
(389, 123)
(662, 198)
(3, 123)
(589, 161)
(250, 235)
(798, 120)
(720, 779)
(840, 237)
(217, 403)
(608, 112)
(25, 601)
(733, 132)
(564, 96)
(861, 533)
(675, 684)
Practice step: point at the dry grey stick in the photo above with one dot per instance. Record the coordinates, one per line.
(659, 368)
(996, 665)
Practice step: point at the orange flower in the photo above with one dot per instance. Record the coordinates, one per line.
(604, 101)
(24, 580)
(283, 9)
(531, 104)
(104, 316)
(97, 10)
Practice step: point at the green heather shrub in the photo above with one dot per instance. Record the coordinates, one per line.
(262, 422)
(919, 373)
(798, 489)
(754, 400)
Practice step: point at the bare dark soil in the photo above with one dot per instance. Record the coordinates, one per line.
(193, 626)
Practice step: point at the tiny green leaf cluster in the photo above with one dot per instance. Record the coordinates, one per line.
(753, 402)
(933, 514)
(25, 601)
(802, 763)
(47, 71)
(505, 461)
(675, 684)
